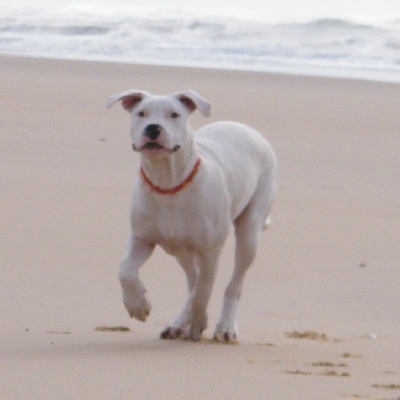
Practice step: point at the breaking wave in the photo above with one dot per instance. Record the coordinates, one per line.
(187, 39)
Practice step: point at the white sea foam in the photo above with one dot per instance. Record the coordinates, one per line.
(175, 37)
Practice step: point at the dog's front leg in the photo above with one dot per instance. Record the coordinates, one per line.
(202, 292)
(132, 289)
(181, 327)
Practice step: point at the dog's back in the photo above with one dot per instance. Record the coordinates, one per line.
(243, 155)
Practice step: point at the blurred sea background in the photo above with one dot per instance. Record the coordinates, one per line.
(357, 39)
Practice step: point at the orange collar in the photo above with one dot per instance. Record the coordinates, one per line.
(175, 189)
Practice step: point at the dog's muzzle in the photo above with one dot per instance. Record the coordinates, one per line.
(152, 133)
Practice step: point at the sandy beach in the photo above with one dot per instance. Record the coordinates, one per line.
(320, 313)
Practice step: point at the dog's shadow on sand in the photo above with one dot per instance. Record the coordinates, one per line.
(71, 346)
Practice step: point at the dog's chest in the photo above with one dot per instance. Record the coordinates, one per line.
(172, 227)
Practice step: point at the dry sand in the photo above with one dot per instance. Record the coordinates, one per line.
(320, 313)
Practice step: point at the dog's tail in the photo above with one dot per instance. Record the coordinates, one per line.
(267, 223)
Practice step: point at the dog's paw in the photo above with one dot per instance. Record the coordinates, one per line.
(137, 308)
(173, 333)
(226, 337)
(190, 332)
(226, 334)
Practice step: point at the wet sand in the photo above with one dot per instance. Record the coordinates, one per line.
(319, 317)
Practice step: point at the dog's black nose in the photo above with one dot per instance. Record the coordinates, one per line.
(152, 131)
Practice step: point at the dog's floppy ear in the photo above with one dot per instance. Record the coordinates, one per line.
(129, 99)
(193, 101)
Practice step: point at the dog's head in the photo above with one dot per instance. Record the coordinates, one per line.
(159, 125)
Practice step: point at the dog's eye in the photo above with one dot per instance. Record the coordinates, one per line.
(140, 114)
(174, 115)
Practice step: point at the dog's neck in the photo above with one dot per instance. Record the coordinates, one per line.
(171, 171)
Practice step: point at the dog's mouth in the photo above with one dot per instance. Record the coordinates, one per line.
(152, 146)
(155, 146)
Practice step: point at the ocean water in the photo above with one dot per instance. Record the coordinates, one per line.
(367, 48)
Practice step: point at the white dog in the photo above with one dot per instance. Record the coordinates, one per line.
(191, 187)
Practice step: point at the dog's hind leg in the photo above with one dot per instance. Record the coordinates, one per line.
(267, 223)
(248, 227)
(246, 242)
